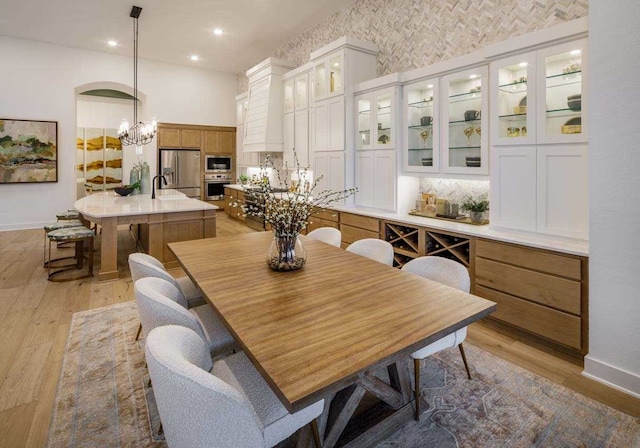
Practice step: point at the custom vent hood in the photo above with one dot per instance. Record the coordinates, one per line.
(263, 128)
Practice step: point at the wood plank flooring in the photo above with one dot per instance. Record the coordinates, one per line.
(35, 316)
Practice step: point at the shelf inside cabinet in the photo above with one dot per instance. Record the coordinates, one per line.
(421, 104)
(513, 117)
(402, 238)
(384, 110)
(568, 74)
(420, 149)
(364, 112)
(448, 246)
(564, 112)
(418, 126)
(464, 147)
(465, 121)
(466, 96)
(514, 87)
(400, 260)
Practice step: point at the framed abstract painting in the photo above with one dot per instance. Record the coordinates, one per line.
(28, 151)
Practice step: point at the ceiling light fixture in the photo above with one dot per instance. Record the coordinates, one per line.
(195, 57)
(430, 86)
(474, 76)
(217, 31)
(112, 43)
(523, 64)
(140, 133)
(575, 52)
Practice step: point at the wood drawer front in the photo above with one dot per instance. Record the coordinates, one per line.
(535, 286)
(327, 215)
(362, 222)
(529, 258)
(316, 223)
(552, 324)
(351, 234)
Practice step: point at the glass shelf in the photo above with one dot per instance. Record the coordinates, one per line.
(557, 113)
(577, 72)
(384, 110)
(467, 96)
(364, 112)
(421, 149)
(418, 126)
(421, 104)
(465, 121)
(514, 87)
(513, 116)
(464, 147)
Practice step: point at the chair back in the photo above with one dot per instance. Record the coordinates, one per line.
(378, 250)
(441, 270)
(327, 235)
(158, 305)
(143, 265)
(197, 409)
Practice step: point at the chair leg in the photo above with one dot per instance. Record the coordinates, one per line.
(464, 359)
(160, 429)
(316, 433)
(139, 331)
(416, 373)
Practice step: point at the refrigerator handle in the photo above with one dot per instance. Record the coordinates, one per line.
(177, 171)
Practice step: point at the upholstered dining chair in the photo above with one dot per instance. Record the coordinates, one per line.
(224, 404)
(160, 303)
(450, 273)
(378, 250)
(327, 235)
(143, 265)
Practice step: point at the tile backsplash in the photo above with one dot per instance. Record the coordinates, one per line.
(454, 190)
(415, 33)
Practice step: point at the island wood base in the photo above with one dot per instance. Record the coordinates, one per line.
(153, 232)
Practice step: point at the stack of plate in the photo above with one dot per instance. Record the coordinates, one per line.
(427, 161)
(473, 162)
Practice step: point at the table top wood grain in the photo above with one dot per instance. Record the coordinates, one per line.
(313, 331)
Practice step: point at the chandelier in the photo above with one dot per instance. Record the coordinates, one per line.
(140, 133)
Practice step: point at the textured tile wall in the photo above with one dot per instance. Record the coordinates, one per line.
(416, 33)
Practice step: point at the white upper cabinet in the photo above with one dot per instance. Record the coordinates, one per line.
(464, 138)
(514, 100)
(562, 74)
(422, 121)
(375, 119)
(329, 76)
(296, 116)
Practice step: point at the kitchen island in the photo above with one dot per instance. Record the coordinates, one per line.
(170, 217)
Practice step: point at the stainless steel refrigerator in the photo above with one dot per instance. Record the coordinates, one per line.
(181, 168)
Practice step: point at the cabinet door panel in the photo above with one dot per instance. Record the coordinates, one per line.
(513, 192)
(562, 191)
(364, 178)
(190, 138)
(336, 124)
(289, 139)
(384, 180)
(321, 126)
(168, 138)
(336, 171)
(301, 137)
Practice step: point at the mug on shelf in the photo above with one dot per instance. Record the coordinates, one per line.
(426, 121)
(471, 115)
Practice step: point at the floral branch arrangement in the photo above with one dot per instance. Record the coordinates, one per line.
(289, 205)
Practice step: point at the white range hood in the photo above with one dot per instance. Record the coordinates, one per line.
(263, 129)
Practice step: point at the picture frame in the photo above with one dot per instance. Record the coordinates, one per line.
(28, 151)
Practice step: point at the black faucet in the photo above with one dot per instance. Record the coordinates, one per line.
(153, 182)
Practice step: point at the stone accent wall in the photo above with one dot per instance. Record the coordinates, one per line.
(416, 33)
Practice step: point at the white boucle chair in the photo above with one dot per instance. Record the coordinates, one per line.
(450, 273)
(160, 303)
(378, 250)
(143, 265)
(231, 407)
(327, 235)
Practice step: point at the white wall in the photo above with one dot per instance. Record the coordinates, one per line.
(37, 82)
(614, 186)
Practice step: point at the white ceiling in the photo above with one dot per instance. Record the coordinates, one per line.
(170, 30)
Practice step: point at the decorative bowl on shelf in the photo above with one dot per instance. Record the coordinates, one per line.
(572, 126)
(123, 191)
(574, 102)
(473, 162)
(519, 110)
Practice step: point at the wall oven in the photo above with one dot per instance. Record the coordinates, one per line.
(217, 164)
(214, 185)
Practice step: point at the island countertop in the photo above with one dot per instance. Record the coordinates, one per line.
(109, 203)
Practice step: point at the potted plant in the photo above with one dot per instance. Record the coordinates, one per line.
(244, 179)
(475, 207)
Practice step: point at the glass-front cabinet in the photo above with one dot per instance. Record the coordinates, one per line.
(561, 71)
(513, 100)
(328, 75)
(464, 131)
(422, 120)
(375, 120)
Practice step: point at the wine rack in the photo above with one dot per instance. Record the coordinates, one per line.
(412, 242)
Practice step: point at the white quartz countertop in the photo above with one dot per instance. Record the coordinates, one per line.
(106, 204)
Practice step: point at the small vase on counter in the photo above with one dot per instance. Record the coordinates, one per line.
(134, 177)
(145, 179)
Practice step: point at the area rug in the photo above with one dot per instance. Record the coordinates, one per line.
(102, 399)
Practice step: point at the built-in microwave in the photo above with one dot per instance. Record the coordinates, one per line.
(217, 164)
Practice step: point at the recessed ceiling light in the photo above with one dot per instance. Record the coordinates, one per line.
(430, 86)
(523, 64)
(112, 43)
(195, 57)
(217, 31)
(575, 52)
(474, 76)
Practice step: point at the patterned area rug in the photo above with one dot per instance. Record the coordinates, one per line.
(101, 399)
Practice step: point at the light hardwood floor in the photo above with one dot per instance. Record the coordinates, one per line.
(35, 316)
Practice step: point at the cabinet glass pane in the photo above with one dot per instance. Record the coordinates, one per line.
(288, 96)
(320, 80)
(302, 96)
(383, 113)
(464, 121)
(421, 129)
(512, 100)
(564, 93)
(335, 75)
(364, 123)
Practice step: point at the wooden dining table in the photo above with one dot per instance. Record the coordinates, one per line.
(324, 330)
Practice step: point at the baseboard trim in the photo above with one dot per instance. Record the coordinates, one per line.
(614, 377)
(25, 225)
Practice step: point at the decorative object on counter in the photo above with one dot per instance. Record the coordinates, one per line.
(288, 212)
(471, 115)
(123, 191)
(145, 178)
(476, 208)
(430, 210)
(426, 121)
(29, 151)
(134, 176)
(140, 133)
(572, 126)
(575, 102)
(243, 179)
(450, 211)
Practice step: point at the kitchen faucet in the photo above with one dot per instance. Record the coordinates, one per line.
(153, 182)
